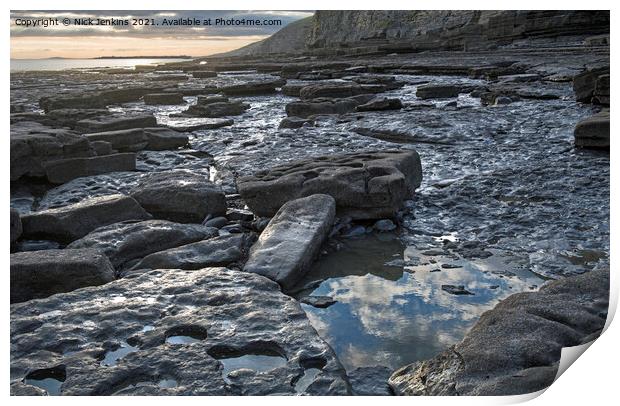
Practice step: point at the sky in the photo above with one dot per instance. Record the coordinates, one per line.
(67, 40)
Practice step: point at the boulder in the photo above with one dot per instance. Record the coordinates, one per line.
(160, 138)
(601, 90)
(593, 132)
(212, 124)
(214, 110)
(440, 91)
(584, 84)
(368, 185)
(293, 89)
(64, 170)
(33, 144)
(39, 274)
(204, 100)
(126, 241)
(305, 109)
(514, 348)
(381, 104)
(114, 123)
(16, 225)
(130, 140)
(163, 98)
(71, 222)
(287, 247)
(180, 196)
(294, 122)
(218, 251)
(95, 100)
(337, 90)
(126, 338)
(253, 88)
(70, 117)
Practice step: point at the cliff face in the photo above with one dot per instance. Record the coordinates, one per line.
(290, 39)
(419, 30)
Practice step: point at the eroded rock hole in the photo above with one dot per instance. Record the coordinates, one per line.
(49, 379)
(259, 357)
(186, 334)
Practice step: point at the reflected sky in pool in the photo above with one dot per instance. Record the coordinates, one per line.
(391, 309)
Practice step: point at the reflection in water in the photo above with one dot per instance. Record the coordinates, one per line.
(112, 357)
(181, 340)
(391, 309)
(255, 362)
(51, 385)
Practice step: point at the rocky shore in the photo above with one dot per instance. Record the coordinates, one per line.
(379, 212)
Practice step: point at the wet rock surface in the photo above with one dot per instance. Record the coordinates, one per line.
(226, 250)
(366, 185)
(126, 241)
(180, 196)
(515, 348)
(506, 201)
(39, 274)
(64, 170)
(292, 239)
(66, 224)
(33, 144)
(116, 123)
(228, 314)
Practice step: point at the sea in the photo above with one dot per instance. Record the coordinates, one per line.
(18, 65)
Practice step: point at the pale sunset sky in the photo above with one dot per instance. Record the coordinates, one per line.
(95, 41)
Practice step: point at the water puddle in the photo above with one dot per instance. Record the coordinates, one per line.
(181, 340)
(111, 357)
(185, 334)
(255, 362)
(392, 305)
(50, 380)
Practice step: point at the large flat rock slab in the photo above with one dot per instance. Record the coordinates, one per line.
(181, 196)
(218, 251)
(253, 87)
(65, 170)
(115, 123)
(242, 336)
(291, 241)
(33, 144)
(74, 221)
(126, 241)
(133, 139)
(515, 348)
(365, 185)
(96, 99)
(39, 274)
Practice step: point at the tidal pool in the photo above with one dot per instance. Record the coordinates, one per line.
(391, 309)
(255, 362)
